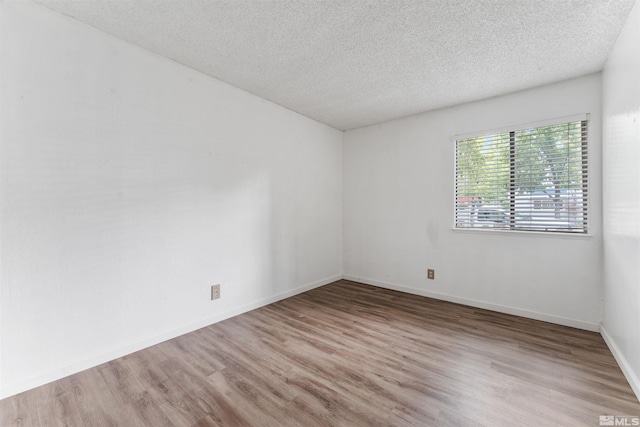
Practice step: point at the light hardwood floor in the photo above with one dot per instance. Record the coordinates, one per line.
(347, 354)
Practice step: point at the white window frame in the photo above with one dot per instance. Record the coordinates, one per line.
(517, 127)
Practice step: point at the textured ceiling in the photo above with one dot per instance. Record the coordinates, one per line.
(352, 63)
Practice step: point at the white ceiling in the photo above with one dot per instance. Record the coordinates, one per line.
(351, 63)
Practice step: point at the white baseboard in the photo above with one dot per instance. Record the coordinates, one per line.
(627, 370)
(11, 389)
(559, 320)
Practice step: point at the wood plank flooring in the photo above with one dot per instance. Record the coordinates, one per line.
(347, 354)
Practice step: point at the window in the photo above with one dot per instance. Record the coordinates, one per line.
(532, 179)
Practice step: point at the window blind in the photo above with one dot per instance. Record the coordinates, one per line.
(532, 179)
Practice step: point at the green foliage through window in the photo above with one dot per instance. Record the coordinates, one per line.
(529, 179)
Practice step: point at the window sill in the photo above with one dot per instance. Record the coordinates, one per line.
(543, 234)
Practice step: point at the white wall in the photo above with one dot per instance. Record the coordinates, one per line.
(621, 199)
(398, 213)
(129, 184)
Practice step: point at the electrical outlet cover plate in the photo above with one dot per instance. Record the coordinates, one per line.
(431, 274)
(215, 292)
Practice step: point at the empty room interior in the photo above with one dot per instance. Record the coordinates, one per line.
(319, 212)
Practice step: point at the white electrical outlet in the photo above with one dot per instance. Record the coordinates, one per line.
(215, 292)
